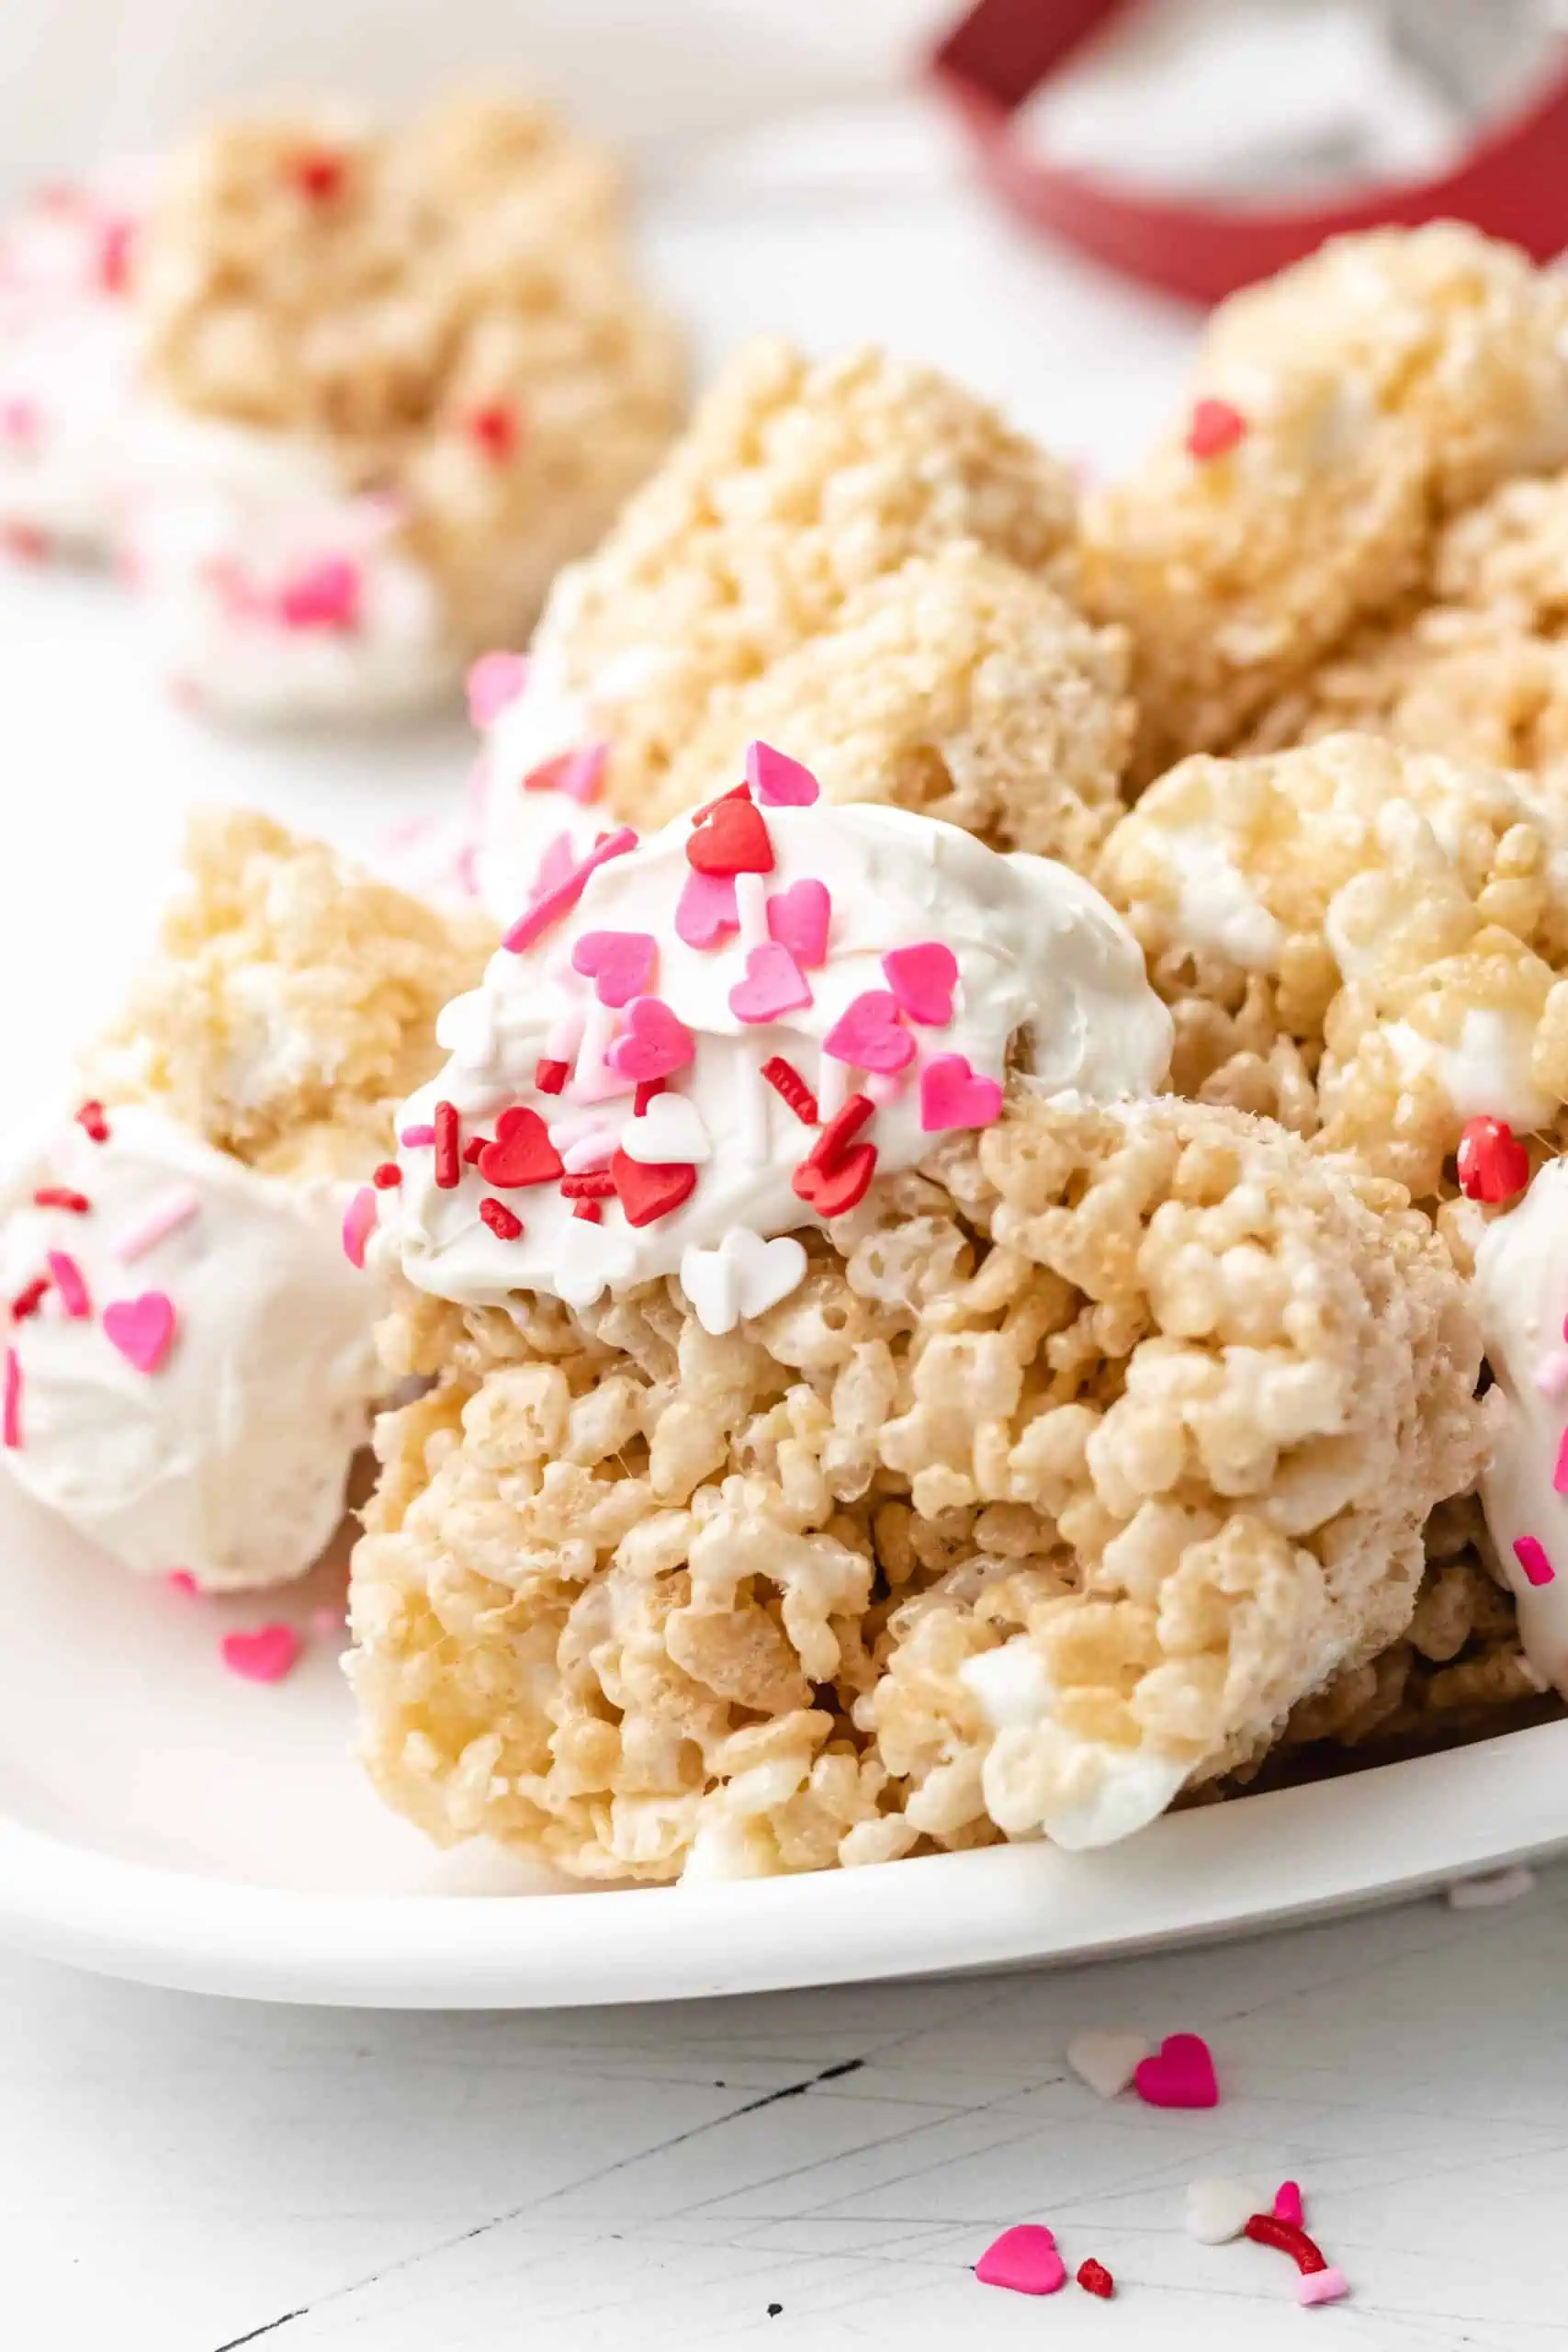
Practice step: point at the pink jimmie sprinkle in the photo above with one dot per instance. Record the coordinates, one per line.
(1321, 2286)
(163, 1217)
(11, 1416)
(415, 1139)
(1531, 1555)
(265, 1656)
(1559, 1475)
(1288, 2204)
(325, 596)
(181, 1580)
(495, 681)
(359, 1224)
(68, 1282)
(554, 903)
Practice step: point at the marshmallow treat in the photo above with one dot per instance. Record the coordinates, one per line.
(854, 555)
(975, 1444)
(1340, 416)
(189, 1364)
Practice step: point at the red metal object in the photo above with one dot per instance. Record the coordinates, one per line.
(1512, 183)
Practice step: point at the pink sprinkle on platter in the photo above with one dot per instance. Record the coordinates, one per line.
(1095, 2279)
(1288, 2206)
(163, 1217)
(1023, 2259)
(267, 1655)
(1325, 2286)
(1534, 1559)
(1181, 2073)
(181, 1580)
(66, 1275)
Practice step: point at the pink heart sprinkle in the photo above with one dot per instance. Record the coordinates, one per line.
(265, 1656)
(619, 963)
(707, 907)
(1024, 2258)
(868, 1033)
(775, 985)
(358, 1225)
(563, 896)
(1534, 1558)
(952, 1096)
(494, 681)
(324, 597)
(1288, 2204)
(1180, 2073)
(799, 919)
(1321, 2286)
(923, 979)
(143, 1328)
(653, 1044)
(778, 780)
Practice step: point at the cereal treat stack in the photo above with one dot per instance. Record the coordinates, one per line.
(855, 552)
(1344, 463)
(393, 382)
(189, 1367)
(864, 1418)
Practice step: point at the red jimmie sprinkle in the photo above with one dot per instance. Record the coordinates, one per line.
(785, 1080)
(449, 1154)
(590, 1210)
(319, 173)
(550, 1077)
(472, 1149)
(646, 1088)
(60, 1196)
(1213, 427)
(1095, 2279)
(596, 1185)
(840, 1131)
(495, 429)
(29, 1300)
(91, 1119)
(502, 1223)
(1491, 1161)
(1267, 2229)
(387, 1176)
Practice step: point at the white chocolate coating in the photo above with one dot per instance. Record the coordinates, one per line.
(1521, 1297)
(229, 1460)
(1042, 960)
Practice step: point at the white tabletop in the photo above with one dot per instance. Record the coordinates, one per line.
(180, 2176)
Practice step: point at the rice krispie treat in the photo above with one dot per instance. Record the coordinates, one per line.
(928, 1436)
(392, 382)
(1338, 414)
(68, 357)
(189, 1366)
(1362, 940)
(854, 552)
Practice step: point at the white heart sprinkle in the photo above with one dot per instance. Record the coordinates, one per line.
(1106, 2060)
(1218, 2211)
(669, 1129)
(768, 1270)
(711, 1282)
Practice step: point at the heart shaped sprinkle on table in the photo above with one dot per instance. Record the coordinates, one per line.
(707, 909)
(669, 1129)
(869, 1033)
(952, 1096)
(1219, 2210)
(1023, 2259)
(732, 839)
(521, 1153)
(778, 780)
(798, 919)
(619, 963)
(265, 1656)
(1180, 2073)
(923, 978)
(1107, 2061)
(647, 1193)
(654, 1043)
(1288, 2206)
(775, 985)
(143, 1328)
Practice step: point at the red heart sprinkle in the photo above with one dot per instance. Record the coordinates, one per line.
(1493, 1163)
(731, 838)
(1180, 2073)
(834, 1191)
(1213, 427)
(522, 1152)
(647, 1193)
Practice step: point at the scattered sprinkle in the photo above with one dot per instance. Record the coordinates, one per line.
(1025, 2260)
(415, 1139)
(29, 1299)
(11, 1407)
(588, 1208)
(654, 1043)
(649, 1192)
(731, 838)
(359, 1224)
(388, 1175)
(494, 681)
(923, 979)
(1532, 1556)
(91, 1119)
(475, 1149)
(833, 1192)
(448, 1149)
(1106, 2060)
(1324, 2286)
(1492, 1164)
(265, 1656)
(1288, 2206)
(161, 1217)
(619, 963)
(1490, 1888)
(181, 1580)
(588, 1184)
(778, 780)
(141, 1329)
(952, 1096)
(1560, 1475)
(551, 904)
(870, 1033)
(1213, 427)
(579, 773)
(1095, 2279)
(786, 1080)
(1218, 2209)
(1267, 2229)
(67, 1277)
(522, 1152)
(60, 1196)
(648, 1090)
(325, 595)
(503, 1223)
(799, 918)
(705, 909)
(319, 173)
(1180, 2073)
(495, 429)
(773, 984)
(550, 1076)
